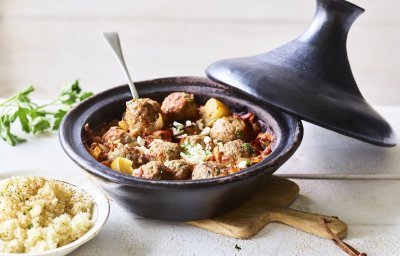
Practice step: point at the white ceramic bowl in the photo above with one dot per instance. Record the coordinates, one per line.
(101, 211)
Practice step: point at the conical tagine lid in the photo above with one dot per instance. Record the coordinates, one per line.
(311, 77)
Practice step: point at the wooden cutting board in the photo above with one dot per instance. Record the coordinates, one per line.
(271, 204)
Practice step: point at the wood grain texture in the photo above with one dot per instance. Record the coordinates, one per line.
(270, 204)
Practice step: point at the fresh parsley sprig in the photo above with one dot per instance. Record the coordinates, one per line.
(36, 118)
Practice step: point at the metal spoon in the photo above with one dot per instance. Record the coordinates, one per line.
(113, 40)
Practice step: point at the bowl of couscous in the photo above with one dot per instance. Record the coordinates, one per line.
(45, 216)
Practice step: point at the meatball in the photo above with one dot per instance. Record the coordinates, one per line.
(204, 141)
(116, 135)
(143, 116)
(179, 106)
(208, 170)
(229, 128)
(153, 170)
(162, 151)
(180, 169)
(127, 151)
(233, 151)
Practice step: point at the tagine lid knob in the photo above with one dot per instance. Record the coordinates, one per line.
(310, 77)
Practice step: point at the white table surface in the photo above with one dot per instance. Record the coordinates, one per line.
(337, 176)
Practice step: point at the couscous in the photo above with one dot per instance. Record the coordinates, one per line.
(38, 214)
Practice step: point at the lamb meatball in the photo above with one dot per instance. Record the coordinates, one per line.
(229, 128)
(143, 116)
(116, 135)
(204, 141)
(206, 170)
(127, 151)
(179, 106)
(162, 151)
(233, 151)
(153, 170)
(180, 169)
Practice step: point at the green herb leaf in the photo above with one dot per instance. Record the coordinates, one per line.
(58, 116)
(24, 95)
(5, 133)
(34, 118)
(23, 118)
(13, 116)
(34, 113)
(237, 247)
(85, 95)
(70, 94)
(40, 124)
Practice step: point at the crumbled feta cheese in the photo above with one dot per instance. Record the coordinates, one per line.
(184, 135)
(205, 131)
(195, 153)
(176, 131)
(207, 140)
(140, 141)
(177, 128)
(242, 164)
(188, 123)
(178, 125)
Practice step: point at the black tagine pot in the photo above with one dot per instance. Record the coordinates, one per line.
(169, 199)
(308, 78)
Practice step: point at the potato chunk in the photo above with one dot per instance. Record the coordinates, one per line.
(213, 110)
(123, 165)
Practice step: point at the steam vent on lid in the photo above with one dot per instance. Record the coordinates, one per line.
(310, 77)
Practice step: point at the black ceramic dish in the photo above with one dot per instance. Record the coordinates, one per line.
(311, 77)
(178, 200)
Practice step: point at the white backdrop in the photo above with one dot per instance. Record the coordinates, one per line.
(49, 43)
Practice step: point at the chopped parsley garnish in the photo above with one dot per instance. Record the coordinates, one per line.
(194, 152)
(248, 148)
(30, 226)
(237, 247)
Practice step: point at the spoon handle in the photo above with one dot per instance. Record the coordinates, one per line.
(113, 40)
